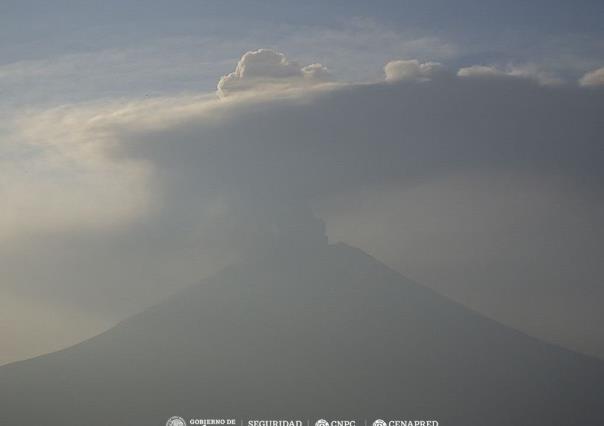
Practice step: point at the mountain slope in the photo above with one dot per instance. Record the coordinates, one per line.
(329, 332)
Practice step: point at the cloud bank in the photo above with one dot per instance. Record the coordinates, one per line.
(527, 71)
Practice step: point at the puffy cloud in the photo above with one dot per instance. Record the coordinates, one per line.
(412, 70)
(267, 67)
(316, 72)
(593, 78)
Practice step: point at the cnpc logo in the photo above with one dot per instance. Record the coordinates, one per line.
(323, 422)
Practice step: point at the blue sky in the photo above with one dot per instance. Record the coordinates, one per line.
(197, 41)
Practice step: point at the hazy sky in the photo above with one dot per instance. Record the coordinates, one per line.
(460, 143)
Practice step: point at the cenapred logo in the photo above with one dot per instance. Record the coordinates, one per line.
(176, 421)
(380, 422)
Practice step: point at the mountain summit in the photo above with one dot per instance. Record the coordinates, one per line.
(328, 332)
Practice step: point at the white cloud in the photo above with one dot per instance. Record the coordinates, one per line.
(412, 70)
(316, 72)
(265, 67)
(526, 71)
(481, 71)
(593, 78)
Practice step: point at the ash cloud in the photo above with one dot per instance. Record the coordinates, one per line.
(229, 177)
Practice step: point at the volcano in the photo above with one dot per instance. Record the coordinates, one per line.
(327, 332)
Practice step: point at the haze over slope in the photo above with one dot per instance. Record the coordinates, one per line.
(306, 330)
